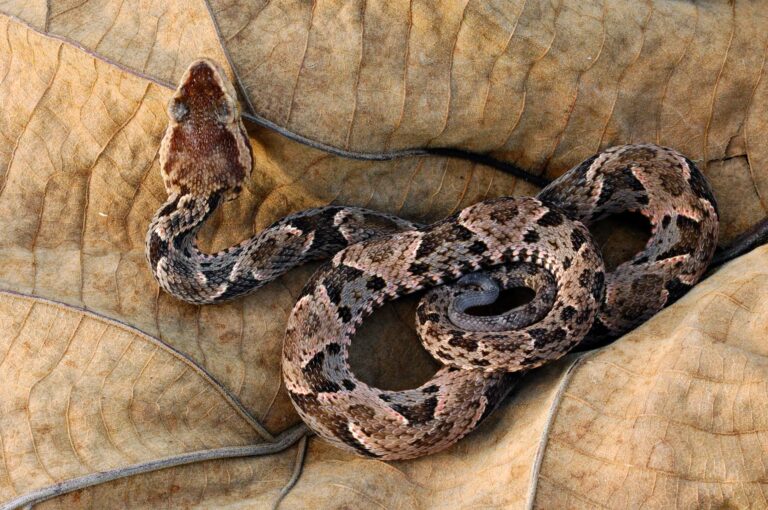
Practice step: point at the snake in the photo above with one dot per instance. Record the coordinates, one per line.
(458, 263)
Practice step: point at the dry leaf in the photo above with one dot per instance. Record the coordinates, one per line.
(672, 414)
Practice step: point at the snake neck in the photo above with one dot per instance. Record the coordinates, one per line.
(178, 265)
(191, 275)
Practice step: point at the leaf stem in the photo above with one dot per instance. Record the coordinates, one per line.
(302, 451)
(282, 441)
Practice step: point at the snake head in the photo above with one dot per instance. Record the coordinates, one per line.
(205, 150)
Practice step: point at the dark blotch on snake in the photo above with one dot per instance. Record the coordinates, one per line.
(567, 313)
(531, 237)
(598, 285)
(157, 248)
(598, 330)
(690, 231)
(463, 342)
(418, 269)
(478, 248)
(585, 278)
(676, 289)
(620, 181)
(311, 405)
(578, 239)
(419, 413)
(315, 221)
(375, 283)
(550, 219)
(542, 337)
(423, 316)
(314, 371)
(169, 207)
(496, 393)
(421, 313)
(245, 283)
(700, 186)
(672, 184)
(503, 215)
(343, 276)
(440, 236)
(360, 412)
(344, 314)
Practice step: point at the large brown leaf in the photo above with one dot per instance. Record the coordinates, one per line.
(671, 414)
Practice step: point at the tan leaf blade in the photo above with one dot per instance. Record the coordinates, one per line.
(671, 415)
(81, 197)
(87, 398)
(638, 422)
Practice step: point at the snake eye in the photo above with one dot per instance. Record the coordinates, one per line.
(177, 110)
(224, 113)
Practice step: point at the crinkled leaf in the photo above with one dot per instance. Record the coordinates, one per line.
(670, 414)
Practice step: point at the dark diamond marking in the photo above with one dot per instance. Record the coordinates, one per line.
(418, 413)
(700, 185)
(585, 278)
(463, 342)
(345, 274)
(418, 269)
(157, 249)
(314, 372)
(676, 290)
(376, 283)
(621, 181)
(578, 239)
(478, 248)
(344, 314)
(531, 237)
(551, 218)
(542, 336)
(690, 233)
(598, 286)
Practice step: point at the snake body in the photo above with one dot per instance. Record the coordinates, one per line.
(542, 243)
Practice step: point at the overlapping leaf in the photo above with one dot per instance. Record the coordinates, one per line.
(671, 415)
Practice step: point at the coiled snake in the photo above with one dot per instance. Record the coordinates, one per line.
(542, 243)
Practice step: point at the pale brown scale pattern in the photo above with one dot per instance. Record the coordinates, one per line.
(205, 159)
(399, 425)
(577, 271)
(675, 197)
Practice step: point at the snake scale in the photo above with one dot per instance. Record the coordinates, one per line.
(542, 243)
